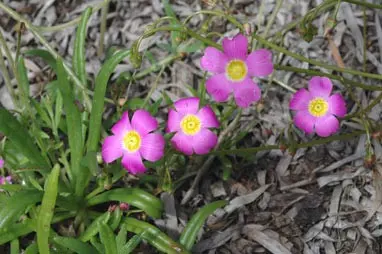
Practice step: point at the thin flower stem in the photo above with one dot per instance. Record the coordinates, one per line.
(314, 62)
(285, 86)
(325, 6)
(104, 11)
(315, 142)
(279, 3)
(7, 79)
(215, 13)
(153, 87)
(366, 4)
(70, 23)
(164, 62)
(332, 76)
(364, 37)
(208, 162)
(7, 52)
(367, 109)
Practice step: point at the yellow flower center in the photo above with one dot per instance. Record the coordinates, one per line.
(236, 70)
(190, 124)
(132, 141)
(318, 107)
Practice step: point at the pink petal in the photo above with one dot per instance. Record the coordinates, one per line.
(204, 141)
(300, 100)
(237, 48)
(246, 92)
(213, 60)
(208, 117)
(337, 105)
(188, 105)
(112, 149)
(133, 163)
(219, 87)
(152, 148)
(8, 179)
(1, 163)
(173, 121)
(122, 125)
(260, 63)
(143, 122)
(182, 143)
(320, 87)
(304, 121)
(2, 180)
(326, 125)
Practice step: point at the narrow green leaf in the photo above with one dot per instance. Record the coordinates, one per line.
(154, 236)
(22, 78)
(32, 249)
(193, 227)
(107, 238)
(15, 205)
(16, 230)
(20, 138)
(47, 210)
(98, 99)
(75, 245)
(116, 218)
(130, 246)
(79, 60)
(58, 110)
(133, 196)
(100, 248)
(15, 246)
(45, 55)
(120, 240)
(90, 162)
(92, 229)
(74, 124)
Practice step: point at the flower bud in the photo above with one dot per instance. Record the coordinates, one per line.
(124, 206)
(247, 29)
(369, 161)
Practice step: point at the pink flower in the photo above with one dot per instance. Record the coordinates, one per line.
(134, 141)
(1, 163)
(191, 126)
(233, 70)
(316, 109)
(5, 180)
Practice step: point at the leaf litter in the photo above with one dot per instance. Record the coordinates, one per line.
(321, 199)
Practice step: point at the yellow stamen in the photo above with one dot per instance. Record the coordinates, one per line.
(190, 124)
(318, 107)
(236, 70)
(132, 141)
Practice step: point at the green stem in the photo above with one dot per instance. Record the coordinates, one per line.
(153, 87)
(7, 79)
(7, 52)
(332, 76)
(314, 62)
(272, 18)
(216, 13)
(104, 11)
(169, 59)
(366, 4)
(325, 6)
(70, 23)
(315, 142)
(375, 102)
(364, 38)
